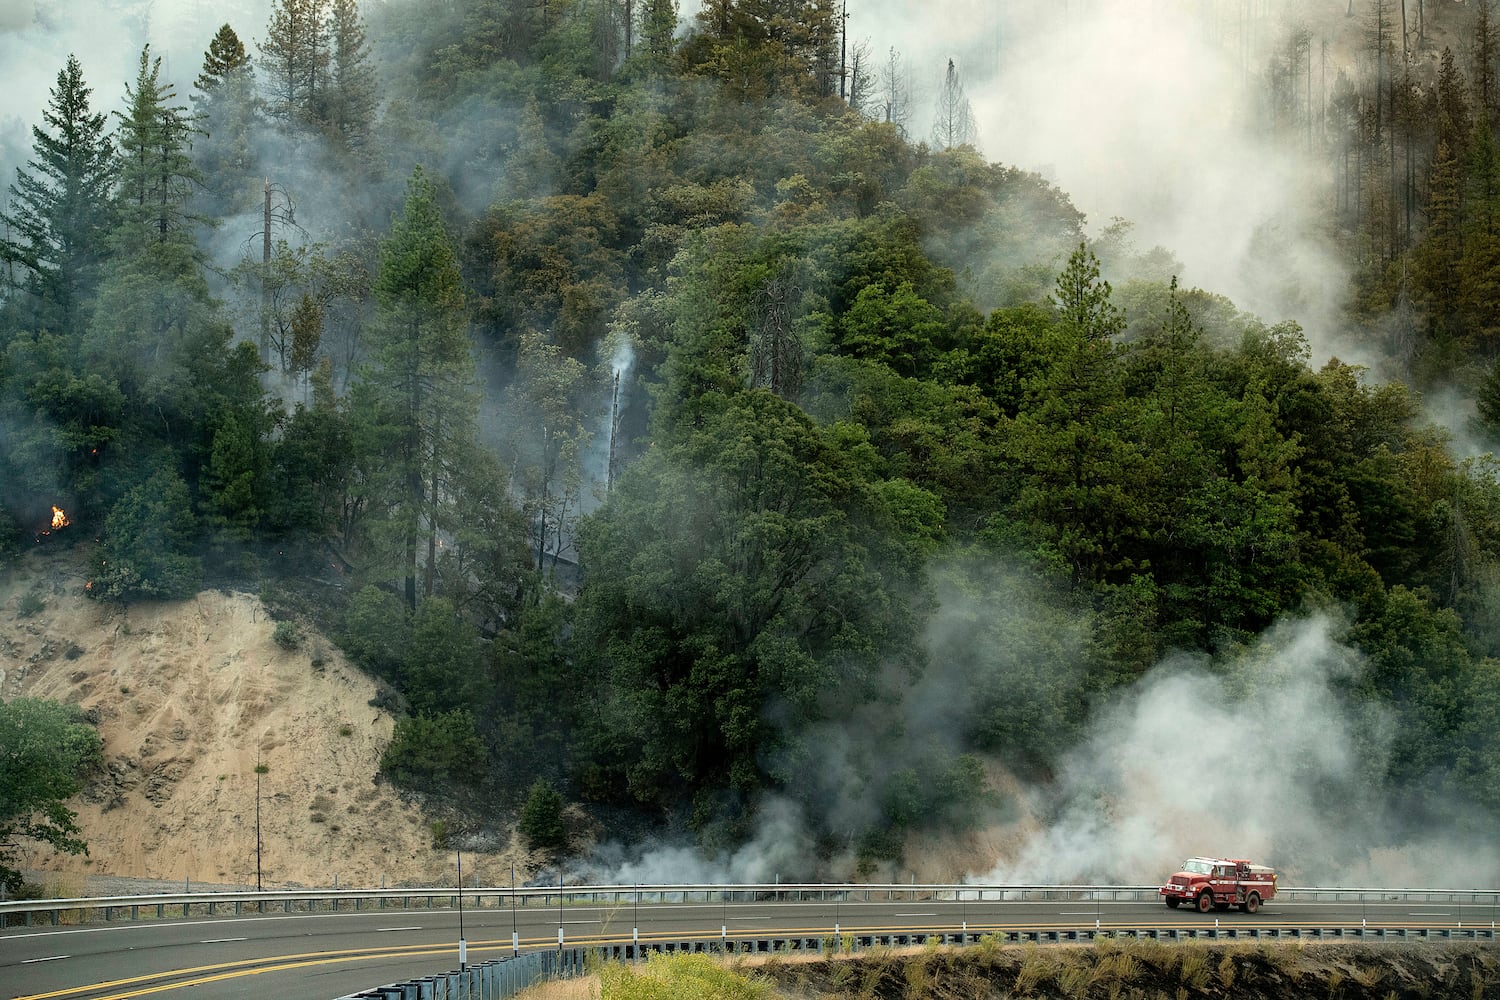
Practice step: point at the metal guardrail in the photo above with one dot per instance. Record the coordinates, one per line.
(500, 979)
(84, 909)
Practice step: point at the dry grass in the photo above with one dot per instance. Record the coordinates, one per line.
(582, 988)
(1227, 972)
(1037, 967)
(1118, 966)
(1075, 979)
(1195, 969)
(1125, 969)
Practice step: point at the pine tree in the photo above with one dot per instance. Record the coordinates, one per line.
(954, 123)
(1479, 270)
(767, 48)
(226, 107)
(157, 176)
(226, 56)
(1486, 48)
(295, 57)
(420, 388)
(350, 101)
(154, 318)
(59, 209)
(658, 33)
(895, 92)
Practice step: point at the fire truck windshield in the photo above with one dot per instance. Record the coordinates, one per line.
(1197, 867)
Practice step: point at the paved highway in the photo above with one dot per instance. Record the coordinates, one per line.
(320, 956)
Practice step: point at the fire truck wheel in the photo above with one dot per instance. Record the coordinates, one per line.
(1252, 902)
(1205, 901)
(1172, 902)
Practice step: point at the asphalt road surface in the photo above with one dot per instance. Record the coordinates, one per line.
(320, 956)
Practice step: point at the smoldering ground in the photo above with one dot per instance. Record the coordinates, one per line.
(1259, 754)
(1262, 752)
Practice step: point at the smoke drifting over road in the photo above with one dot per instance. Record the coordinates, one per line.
(1259, 756)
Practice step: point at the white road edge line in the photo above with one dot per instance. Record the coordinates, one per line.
(386, 930)
(222, 940)
(49, 958)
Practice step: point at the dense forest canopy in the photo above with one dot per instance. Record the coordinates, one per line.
(691, 431)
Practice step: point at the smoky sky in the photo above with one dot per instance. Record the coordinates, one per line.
(1139, 110)
(36, 39)
(1146, 110)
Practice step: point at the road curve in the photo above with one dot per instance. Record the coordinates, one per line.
(318, 956)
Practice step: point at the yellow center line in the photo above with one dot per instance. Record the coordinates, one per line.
(297, 961)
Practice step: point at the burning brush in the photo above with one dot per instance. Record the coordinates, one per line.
(59, 521)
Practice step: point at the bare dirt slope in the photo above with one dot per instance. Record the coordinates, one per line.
(189, 695)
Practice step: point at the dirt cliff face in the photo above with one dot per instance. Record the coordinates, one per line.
(190, 696)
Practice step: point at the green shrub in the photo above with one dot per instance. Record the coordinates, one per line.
(682, 977)
(376, 632)
(542, 817)
(146, 547)
(439, 749)
(288, 635)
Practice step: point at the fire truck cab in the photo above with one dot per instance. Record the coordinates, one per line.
(1219, 883)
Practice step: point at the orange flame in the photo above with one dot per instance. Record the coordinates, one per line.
(59, 518)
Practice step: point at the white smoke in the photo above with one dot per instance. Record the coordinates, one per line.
(1262, 757)
(16, 14)
(780, 847)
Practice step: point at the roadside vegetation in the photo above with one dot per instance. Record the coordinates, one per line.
(1108, 970)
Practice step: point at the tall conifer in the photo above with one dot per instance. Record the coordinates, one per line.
(350, 100)
(60, 208)
(420, 389)
(226, 110)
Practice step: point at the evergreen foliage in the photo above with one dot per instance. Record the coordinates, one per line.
(420, 383)
(541, 821)
(227, 117)
(59, 211)
(294, 60)
(787, 422)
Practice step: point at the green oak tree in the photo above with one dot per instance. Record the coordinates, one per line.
(45, 751)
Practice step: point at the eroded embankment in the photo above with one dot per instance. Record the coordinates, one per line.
(1147, 970)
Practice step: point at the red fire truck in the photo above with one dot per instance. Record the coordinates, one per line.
(1219, 883)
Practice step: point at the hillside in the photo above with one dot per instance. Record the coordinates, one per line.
(774, 485)
(188, 695)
